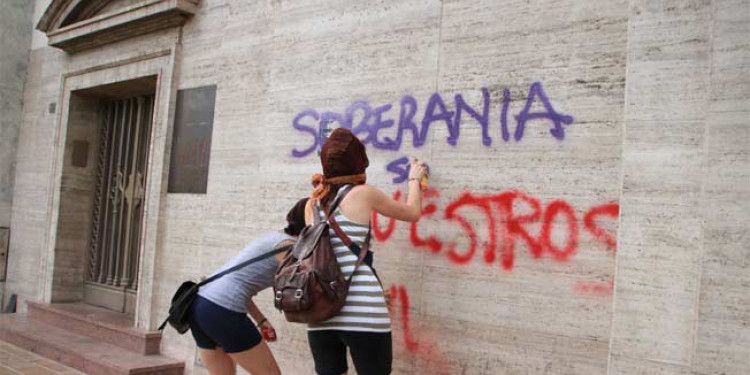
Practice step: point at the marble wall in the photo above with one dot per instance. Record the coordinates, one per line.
(15, 42)
(589, 208)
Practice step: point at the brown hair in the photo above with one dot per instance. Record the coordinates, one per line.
(295, 218)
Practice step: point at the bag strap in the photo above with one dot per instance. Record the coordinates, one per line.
(360, 252)
(316, 213)
(339, 198)
(235, 268)
(334, 204)
(246, 263)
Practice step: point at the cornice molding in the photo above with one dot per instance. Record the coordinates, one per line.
(145, 17)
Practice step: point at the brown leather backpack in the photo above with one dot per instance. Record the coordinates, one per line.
(309, 286)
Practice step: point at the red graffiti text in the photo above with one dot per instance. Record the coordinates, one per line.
(506, 226)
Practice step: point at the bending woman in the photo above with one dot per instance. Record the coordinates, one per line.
(363, 325)
(218, 316)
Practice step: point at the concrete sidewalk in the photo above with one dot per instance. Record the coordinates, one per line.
(17, 361)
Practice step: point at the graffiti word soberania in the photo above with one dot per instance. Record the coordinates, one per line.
(384, 127)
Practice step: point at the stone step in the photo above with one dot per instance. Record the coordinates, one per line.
(90, 355)
(98, 323)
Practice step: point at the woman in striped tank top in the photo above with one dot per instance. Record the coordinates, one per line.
(363, 325)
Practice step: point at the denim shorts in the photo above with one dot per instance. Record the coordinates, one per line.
(215, 326)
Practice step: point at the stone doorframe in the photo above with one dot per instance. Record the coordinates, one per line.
(162, 65)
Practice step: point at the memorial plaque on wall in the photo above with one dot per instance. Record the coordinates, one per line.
(191, 140)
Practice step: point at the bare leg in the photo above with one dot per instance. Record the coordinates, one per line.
(257, 360)
(217, 362)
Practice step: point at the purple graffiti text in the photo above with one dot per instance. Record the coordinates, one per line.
(378, 126)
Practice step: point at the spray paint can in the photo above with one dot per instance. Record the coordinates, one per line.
(269, 334)
(423, 182)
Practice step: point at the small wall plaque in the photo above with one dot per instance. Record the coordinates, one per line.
(191, 140)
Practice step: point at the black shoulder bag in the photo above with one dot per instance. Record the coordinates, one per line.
(179, 310)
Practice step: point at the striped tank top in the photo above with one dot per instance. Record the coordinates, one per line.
(365, 309)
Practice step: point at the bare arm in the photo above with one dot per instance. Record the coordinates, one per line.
(410, 211)
(309, 212)
(254, 311)
(258, 317)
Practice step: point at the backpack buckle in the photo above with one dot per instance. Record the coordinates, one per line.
(278, 295)
(298, 294)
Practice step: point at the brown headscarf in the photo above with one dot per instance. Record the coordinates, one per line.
(344, 161)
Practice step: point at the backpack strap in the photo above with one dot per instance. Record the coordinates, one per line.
(340, 197)
(245, 264)
(360, 252)
(316, 212)
(343, 191)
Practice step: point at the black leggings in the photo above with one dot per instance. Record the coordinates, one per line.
(372, 352)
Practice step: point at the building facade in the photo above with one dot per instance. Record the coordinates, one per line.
(589, 186)
(15, 28)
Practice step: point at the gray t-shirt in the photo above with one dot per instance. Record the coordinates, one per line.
(232, 291)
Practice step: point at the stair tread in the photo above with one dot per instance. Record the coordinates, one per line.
(84, 346)
(95, 315)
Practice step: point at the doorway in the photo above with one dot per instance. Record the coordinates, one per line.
(102, 194)
(112, 275)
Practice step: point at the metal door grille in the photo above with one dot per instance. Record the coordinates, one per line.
(118, 207)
